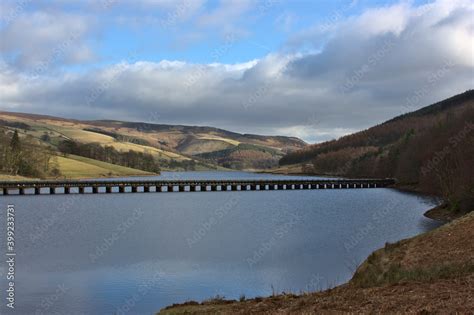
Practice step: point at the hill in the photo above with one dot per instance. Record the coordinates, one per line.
(165, 147)
(430, 150)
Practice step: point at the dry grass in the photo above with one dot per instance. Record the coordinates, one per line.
(14, 177)
(81, 167)
(217, 138)
(286, 170)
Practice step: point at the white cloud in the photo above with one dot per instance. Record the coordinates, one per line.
(35, 40)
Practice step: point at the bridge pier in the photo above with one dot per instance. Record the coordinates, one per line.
(108, 190)
(181, 188)
(52, 190)
(170, 188)
(95, 189)
(37, 191)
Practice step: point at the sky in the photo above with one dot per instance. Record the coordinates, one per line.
(316, 70)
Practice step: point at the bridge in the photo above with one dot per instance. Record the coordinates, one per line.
(45, 187)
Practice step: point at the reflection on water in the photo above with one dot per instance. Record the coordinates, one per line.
(135, 253)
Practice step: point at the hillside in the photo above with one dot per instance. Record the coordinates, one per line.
(430, 150)
(171, 147)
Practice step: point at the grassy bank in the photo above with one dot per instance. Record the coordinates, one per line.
(76, 167)
(432, 272)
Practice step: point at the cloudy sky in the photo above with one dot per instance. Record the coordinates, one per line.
(312, 69)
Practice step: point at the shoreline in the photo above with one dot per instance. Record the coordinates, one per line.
(440, 213)
(422, 274)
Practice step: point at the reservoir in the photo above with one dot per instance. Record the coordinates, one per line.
(136, 253)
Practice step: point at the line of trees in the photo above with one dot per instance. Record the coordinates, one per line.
(25, 157)
(138, 160)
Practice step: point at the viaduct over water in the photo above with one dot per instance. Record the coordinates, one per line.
(49, 187)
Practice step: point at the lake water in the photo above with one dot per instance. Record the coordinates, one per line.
(136, 253)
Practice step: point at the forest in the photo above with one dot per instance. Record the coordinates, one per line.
(24, 156)
(431, 150)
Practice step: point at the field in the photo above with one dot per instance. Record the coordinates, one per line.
(80, 167)
(13, 177)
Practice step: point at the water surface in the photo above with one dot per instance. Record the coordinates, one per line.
(136, 253)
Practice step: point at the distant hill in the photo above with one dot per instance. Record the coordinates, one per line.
(431, 149)
(174, 147)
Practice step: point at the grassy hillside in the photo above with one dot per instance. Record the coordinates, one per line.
(173, 147)
(431, 150)
(80, 167)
